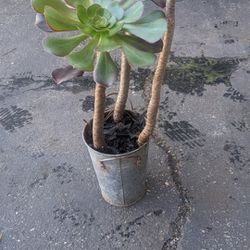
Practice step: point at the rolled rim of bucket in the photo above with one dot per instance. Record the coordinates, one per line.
(108, 155)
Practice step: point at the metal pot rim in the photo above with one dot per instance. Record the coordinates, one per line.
(109, 155)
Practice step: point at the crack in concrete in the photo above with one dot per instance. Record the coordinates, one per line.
(184, 208)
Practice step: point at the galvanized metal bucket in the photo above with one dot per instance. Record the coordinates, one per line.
(121, 177)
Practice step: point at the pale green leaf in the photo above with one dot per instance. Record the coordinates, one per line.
(82, 14)
(137, 57)
(84, 59)
(58, 22)
(105, 70)
(150, 28)
(133, 13)
(103, 3)
(62, 46)
(139, 43)
(116, 10)
(75, 3)
(107, 44)
(59, 5)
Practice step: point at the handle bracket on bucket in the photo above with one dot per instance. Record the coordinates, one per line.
(137, 159)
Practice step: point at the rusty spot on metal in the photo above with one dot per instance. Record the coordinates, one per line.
(138, 161)
(103, 167)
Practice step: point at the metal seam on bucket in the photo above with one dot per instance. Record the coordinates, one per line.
(120, 166)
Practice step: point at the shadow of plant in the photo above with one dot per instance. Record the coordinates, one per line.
(190, 75)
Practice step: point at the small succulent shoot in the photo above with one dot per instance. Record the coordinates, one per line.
(102, 26)
(65, 74)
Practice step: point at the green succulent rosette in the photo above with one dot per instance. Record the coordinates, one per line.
(103, 26)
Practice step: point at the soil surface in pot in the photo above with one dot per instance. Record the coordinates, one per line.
(120, 137)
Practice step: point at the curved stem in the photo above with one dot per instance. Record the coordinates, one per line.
(123, 90)
(154, 102)
(98, 118)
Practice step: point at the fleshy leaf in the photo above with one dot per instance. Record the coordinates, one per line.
(65, 74)
(41, 23)
(116, 28)
(107, 44)
(116, 10)
(59, 5)
(105, 70)
(58, 22)
(111, 24)
(75, 3)
(103, 3)
(84, 59)
(137, 57)
(134, 12)
(62, 46)
(126, 3)
(140, 43)
(82, 14)
(92, 10)
(150, 28)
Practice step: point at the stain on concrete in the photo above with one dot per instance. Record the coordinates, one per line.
(77, 85)
(158, 212)
(166, 108)
(185, 133)
(39, 181)
(64, 173)
(88, 103)
(227, 24)
(20, 81)
(138, 78)
(209, 229)
(240, 125)
(14, 117)
(61, 214)
(229, 41)
(123, 232)
(234, 95)
(29, 82)
(190, 75)
(37, 155)
(74, 215)
(237, 155)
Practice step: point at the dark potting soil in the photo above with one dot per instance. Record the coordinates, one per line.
(120, 137)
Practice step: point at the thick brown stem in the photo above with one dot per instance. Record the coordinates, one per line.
(123, 90)
(98, 119)
(154, 102)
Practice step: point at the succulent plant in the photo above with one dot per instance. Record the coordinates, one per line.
(102, 26)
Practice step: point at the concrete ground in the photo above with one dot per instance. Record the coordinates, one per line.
(199, 163)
